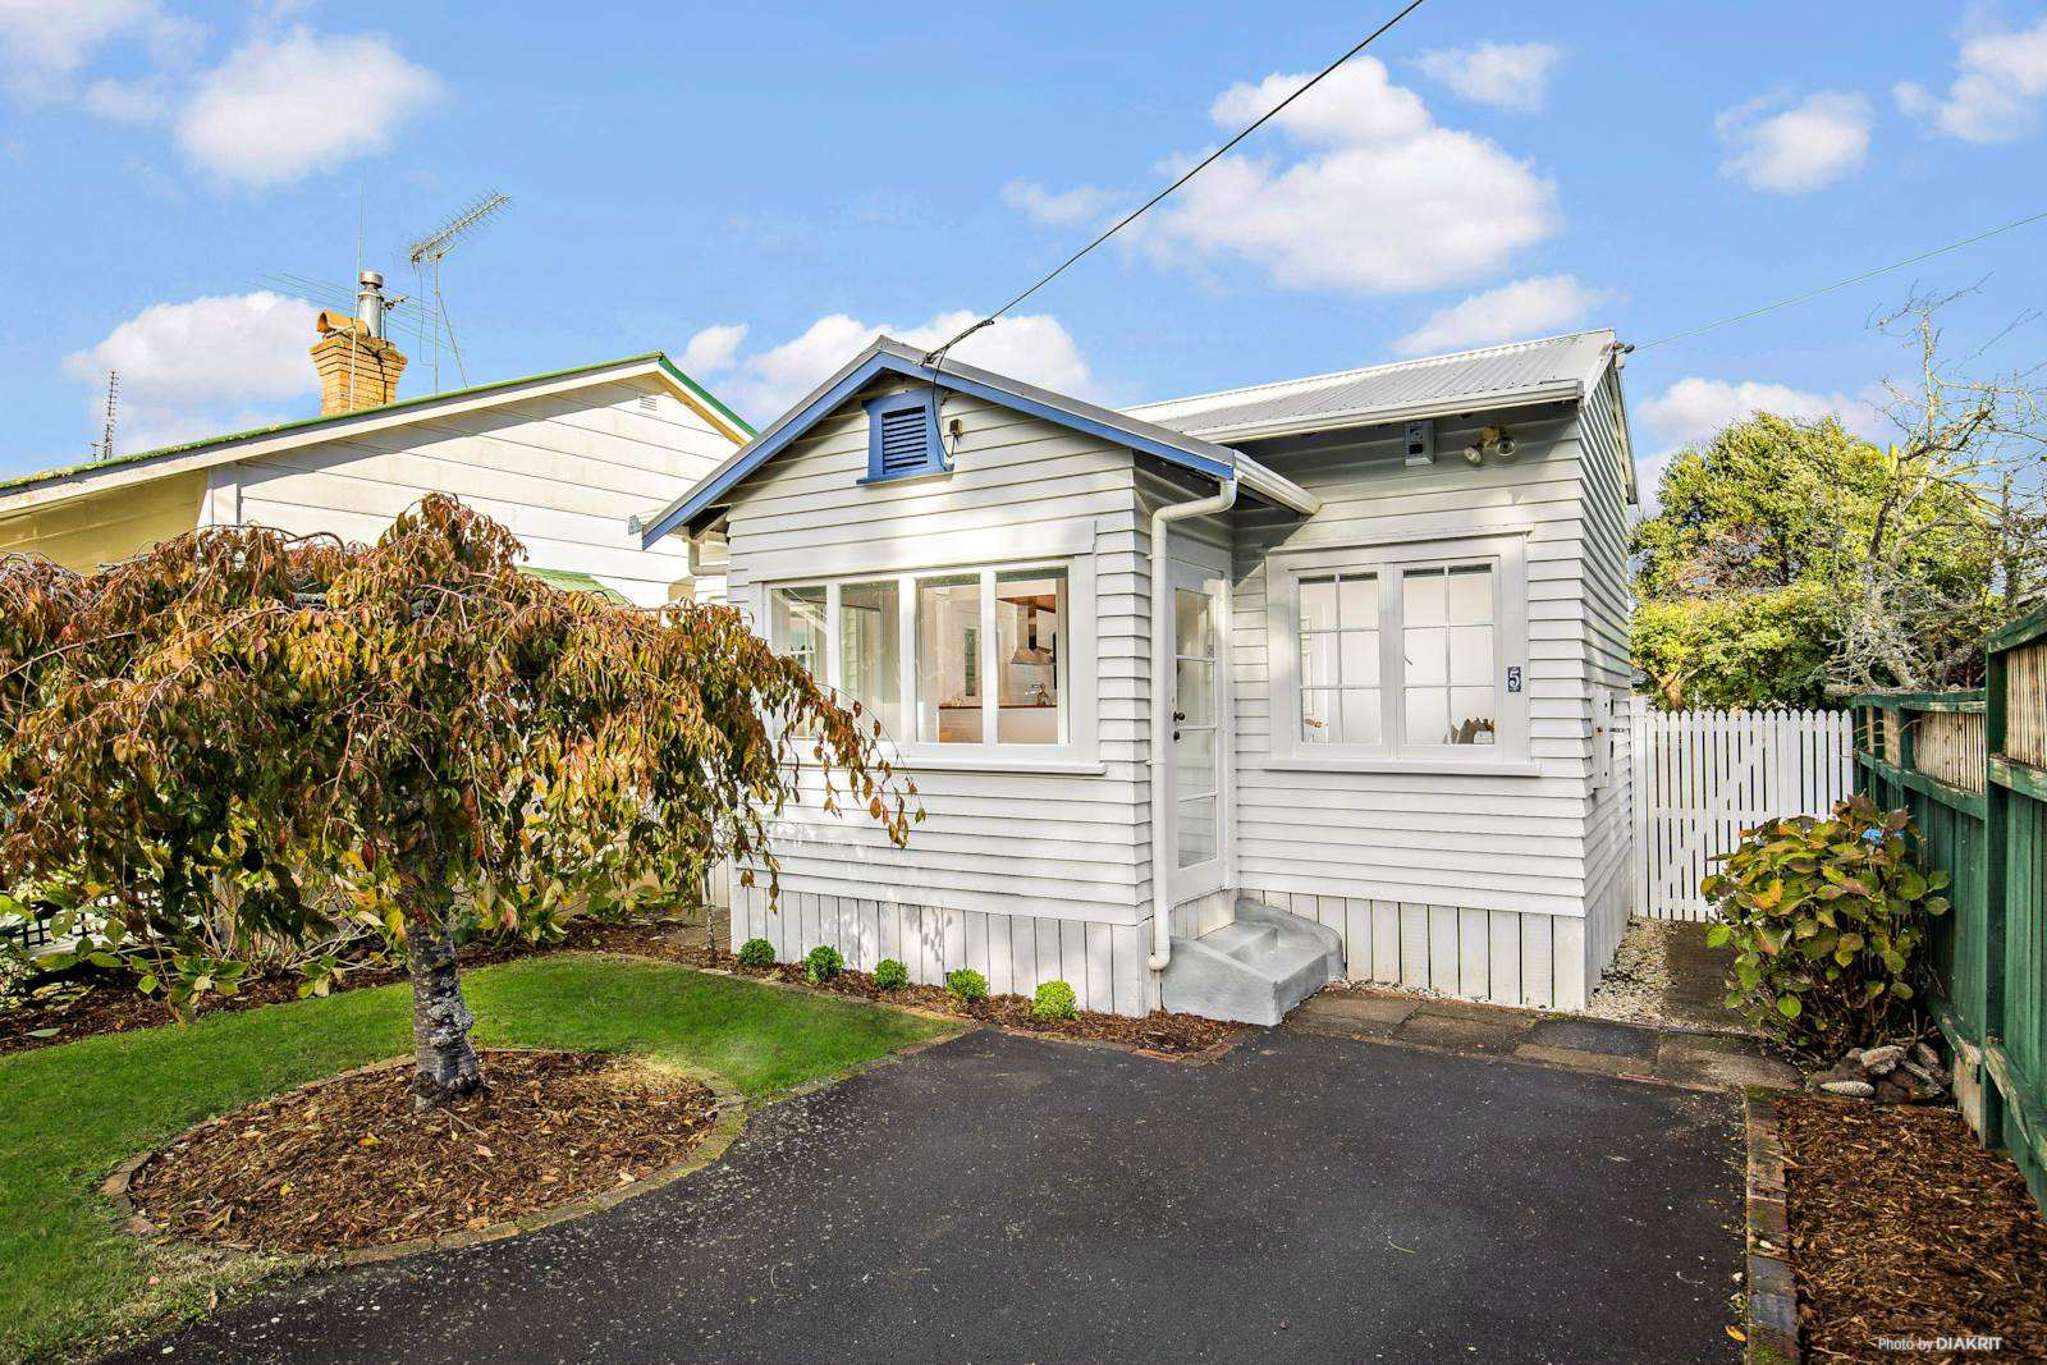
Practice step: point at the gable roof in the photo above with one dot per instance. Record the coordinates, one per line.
(142, 465)
(1555, 368)
(888, 356)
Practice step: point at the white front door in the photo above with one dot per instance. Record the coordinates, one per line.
(1199, 757)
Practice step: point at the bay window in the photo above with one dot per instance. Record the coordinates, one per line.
(1399, 654)
(955, 663)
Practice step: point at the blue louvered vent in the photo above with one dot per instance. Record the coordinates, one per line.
(902, 436)
(904, 449)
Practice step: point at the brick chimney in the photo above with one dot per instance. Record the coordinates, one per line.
(358, 367)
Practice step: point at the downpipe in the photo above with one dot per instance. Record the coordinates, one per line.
(1162, 707)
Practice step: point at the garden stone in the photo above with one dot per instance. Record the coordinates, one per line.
(1854, 1090)
(1882, 1061)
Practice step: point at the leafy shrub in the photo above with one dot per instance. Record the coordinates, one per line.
(891, 975)
(757, 952)
(1825, 917)
(822, 964)
(1055, 1000)
(967, 985)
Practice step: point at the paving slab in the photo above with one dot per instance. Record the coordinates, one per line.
(1475, 1034)
(1595, 1035)
(1349, 1010)
(1679, 1060)
(995, 1198)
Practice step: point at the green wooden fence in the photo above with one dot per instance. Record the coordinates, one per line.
(1972, 769)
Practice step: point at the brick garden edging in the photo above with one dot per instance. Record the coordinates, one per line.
(732, 1116)
(1772, 1289)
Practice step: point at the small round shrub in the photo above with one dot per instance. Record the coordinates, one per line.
(1054, 1000)
(757, 952)
(823, 963)
(967, 985)
(1826, 918)
(891, 975)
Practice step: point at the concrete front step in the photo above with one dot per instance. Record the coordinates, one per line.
(1254, 970)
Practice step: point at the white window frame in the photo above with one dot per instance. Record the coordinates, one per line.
(1504, 554)
(1077, 749)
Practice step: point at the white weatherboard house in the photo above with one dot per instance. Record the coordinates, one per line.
(1211, 700)
(563, 459)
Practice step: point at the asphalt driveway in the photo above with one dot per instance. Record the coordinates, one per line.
(998, 1198)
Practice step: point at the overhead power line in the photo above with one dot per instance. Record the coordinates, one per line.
(937, 353)
(1842, 284)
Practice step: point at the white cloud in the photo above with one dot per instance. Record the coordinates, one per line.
(2000, 81)
(1506, 75)
(713, 350)
(1525, 308)
(1376, 198)
(204, 367)
(45, 43)
(279, 108)
(1692, 410)
(1035, 348)
(1060, 207)
(139, 101)
(1822, 139)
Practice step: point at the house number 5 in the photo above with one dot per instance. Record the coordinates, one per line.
(1514, 678)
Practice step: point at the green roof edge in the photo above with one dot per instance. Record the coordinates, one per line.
(659, 358)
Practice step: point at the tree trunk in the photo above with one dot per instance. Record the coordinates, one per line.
(441, 1021)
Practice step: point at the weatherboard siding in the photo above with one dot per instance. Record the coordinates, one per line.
(1056, 852)
(1467, 884)
(564, 472)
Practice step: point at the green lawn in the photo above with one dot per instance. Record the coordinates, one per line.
(68, 1114)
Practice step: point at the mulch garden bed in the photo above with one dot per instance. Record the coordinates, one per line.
(349, 1163)
(1903, 1227)
(1159, 1031)
(112, 1006)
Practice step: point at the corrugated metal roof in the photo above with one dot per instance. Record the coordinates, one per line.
(1524, 371)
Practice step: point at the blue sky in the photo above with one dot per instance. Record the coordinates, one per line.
(682, 172)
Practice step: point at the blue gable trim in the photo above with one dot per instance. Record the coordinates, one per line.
(785, 432)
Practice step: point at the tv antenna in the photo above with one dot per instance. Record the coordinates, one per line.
(426, 255)
(103, 448)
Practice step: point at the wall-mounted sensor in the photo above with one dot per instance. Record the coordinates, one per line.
(1421, 442)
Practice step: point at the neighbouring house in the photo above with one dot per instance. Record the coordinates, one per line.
(1213, 700)
(563, 459)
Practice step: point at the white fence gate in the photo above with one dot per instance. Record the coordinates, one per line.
(1701, 777)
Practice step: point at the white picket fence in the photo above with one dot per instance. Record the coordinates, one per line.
(1701, 777)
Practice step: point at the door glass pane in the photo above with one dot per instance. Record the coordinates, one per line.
(796, 626)
(1030, 629)
(1194, 691)
(1318, 706)
(1193, 623)
(948, 671)
(1360, 660)
(1197, 831)
(1361, 715)
(1194, 768)
(1318, 604)
(870, 650)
